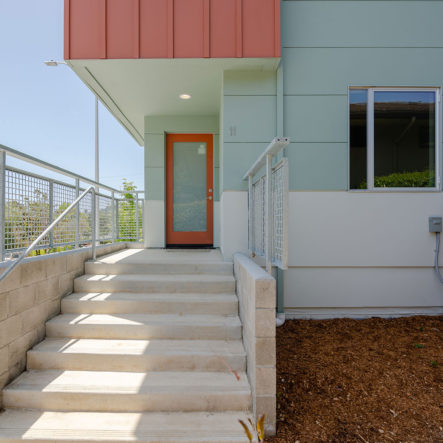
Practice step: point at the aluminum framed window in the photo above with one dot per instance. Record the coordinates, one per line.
(394, 139)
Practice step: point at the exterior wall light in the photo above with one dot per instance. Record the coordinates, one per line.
(54, 63)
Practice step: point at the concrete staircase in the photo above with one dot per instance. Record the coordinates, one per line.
(147, 349)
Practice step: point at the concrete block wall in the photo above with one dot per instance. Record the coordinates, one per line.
(30, 296)
(256, 292)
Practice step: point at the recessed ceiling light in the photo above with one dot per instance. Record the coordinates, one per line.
(185, 96)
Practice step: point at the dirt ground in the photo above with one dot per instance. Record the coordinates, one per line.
(374, 380)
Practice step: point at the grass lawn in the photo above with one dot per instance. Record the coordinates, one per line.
(374, 380)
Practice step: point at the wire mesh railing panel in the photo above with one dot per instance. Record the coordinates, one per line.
(258, 216)
(130, 219)
(279, 216)
(65, 232)
(30, 203)
(85, 219)
(105, 217)
(140, 212)
(26, 211)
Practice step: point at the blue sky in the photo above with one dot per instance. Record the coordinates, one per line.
(48, 112)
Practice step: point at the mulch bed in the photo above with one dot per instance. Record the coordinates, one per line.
(374, 380)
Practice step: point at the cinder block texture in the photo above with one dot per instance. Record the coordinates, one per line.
(31, 295)
(256, 291)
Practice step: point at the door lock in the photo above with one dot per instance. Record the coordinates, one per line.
(210, 197)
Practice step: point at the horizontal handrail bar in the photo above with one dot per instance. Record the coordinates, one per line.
(35, 161)
(40, 177)
(273, 148)
(68, 185)
(51, 227)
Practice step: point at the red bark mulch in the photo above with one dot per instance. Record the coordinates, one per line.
(374, 380)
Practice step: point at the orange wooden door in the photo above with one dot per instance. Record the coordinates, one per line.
(189, 189)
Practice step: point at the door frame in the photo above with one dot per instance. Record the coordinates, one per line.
(189, 238)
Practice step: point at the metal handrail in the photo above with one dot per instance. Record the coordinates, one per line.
(16, 186)
(264, 161)
(53, 225)
(35, 161)
(276, 145)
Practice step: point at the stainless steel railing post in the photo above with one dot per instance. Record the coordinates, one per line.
(113, 216)
(77, 215)
(250, 216)
(2, 204)
(94, 223)
(268, 213)
(51, 212)
(136, 217)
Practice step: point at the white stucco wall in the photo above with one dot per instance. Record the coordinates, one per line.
(362, 254)
(233, 223)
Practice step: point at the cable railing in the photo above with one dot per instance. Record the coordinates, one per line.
(30, 202)
(268, 194)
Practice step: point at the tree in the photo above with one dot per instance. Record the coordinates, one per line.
(127, 213)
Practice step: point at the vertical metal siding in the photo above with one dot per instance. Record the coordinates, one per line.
(223, 28)
(155, 24)
(122, 26)
(87, 26)
(188, 29)
(96, 29)
(258, 28)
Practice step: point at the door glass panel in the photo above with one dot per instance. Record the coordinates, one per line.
(404, 139)
(189, 193)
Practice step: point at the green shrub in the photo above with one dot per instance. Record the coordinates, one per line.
(417, 179)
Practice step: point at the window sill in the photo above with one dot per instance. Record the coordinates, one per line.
(396, 190)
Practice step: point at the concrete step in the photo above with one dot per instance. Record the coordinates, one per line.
(145, 327)
(138, 355)
(127, 302)
(157, 267)
(204, 283)
(74, 427)
(128, 391)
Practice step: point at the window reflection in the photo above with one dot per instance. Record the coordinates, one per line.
(404, 139)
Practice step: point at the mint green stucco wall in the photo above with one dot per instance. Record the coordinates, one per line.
(328, 46)
(155, 130)
(248, 116)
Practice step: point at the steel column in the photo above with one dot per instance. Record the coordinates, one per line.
(97, 173)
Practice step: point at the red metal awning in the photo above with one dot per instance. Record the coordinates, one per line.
(132, 29)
